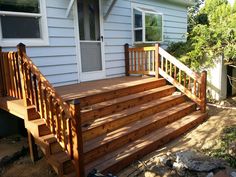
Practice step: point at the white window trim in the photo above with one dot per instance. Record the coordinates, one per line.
(43, 41)
(152, 11)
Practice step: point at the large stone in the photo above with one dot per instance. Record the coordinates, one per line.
(233, 174)
(192, 160)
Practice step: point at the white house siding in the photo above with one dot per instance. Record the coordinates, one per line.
(58, 60)
(118, 29)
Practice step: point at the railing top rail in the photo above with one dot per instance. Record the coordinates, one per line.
(141, 49)
(180, 65)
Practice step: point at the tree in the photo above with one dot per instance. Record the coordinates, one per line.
(212, 32)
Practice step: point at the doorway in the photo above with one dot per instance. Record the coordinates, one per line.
(91, 40)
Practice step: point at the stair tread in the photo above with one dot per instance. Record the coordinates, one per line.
(101, 87)
(125, 130)
(133, 147)
(129, 111)
(73, 174)
(124, 98)
(50, 138)
(60, 157)
(37, 121)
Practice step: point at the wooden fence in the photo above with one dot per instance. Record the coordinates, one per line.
(156, 61)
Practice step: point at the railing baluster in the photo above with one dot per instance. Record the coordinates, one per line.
(70, 138)
(19, 76)
(17, 92)
(8, 88)
(40, 97)
(47, 110)
(135, 62)
(36, 92)
(175, 72)
(180, 76)
(195, 87)
(184, 79)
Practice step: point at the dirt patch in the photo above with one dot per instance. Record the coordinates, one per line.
(25, 168)
(15, 160)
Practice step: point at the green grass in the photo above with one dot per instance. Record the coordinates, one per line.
(228, 136)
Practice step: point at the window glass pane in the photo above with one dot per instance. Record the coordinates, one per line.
(138, 35)
(30, 6)
(20, 27)
(153, 27)
(137, 19)
(93, 7)
(89, 24)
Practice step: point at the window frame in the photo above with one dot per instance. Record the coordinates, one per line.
(143, 28)
(43, 27)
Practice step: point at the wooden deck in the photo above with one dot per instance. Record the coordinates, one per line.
(105, 124)
(85, 89)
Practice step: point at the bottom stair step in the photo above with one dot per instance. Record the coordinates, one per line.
(116, 160)
(61, 163)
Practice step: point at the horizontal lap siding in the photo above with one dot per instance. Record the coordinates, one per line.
(58, 60)
(118, 29)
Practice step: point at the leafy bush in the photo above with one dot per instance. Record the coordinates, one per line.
(211, 33)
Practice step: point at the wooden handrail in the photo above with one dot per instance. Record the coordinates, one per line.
(156, 61)
(28, 83)
(179, 65)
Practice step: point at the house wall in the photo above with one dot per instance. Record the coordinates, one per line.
(118, 29)
(57, 61)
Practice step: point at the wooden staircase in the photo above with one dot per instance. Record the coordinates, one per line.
(106, 130)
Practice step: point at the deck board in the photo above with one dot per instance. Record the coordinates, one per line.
(70, 92)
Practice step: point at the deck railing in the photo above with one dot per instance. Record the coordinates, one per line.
(156, 61)
(20, 78)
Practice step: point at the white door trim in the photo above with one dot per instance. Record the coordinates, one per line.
(94, 75)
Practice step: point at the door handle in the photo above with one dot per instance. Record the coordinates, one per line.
(101, 38)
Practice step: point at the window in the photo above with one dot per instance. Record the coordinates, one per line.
(147, 26)
(23, 21)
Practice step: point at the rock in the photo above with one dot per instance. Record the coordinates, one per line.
(149, 174)
(192, 160)
(163, 159)
(233, 174)
(210, 174)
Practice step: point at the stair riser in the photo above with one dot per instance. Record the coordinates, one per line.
(32, 114)
(43, 130)
(129, 159)
(111, 109)
(96, 131)
(119, 142)
(62, 168)
(90, 100)
(55, 148)
(68, 167)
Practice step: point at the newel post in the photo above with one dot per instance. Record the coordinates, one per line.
(126, 46)
(21, 49)
(77, 138)
(157, 61)
(203, 90)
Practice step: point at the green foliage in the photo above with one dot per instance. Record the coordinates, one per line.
(211, 33)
